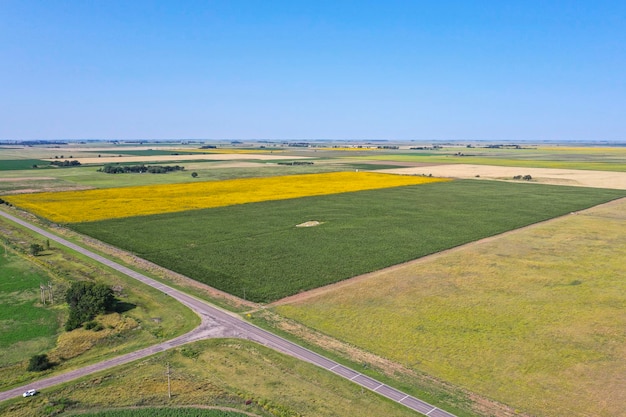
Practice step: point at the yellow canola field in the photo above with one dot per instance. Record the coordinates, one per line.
(110, 203)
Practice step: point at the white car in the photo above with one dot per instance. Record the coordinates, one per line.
(30, 393)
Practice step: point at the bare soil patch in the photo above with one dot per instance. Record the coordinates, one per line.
(311, 223)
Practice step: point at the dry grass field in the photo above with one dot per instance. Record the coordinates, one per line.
(533, 318)
(213, 373)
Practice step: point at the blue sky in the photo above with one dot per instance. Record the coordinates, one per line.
(445, 70)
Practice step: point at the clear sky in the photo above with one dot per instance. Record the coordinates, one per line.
(244, 69)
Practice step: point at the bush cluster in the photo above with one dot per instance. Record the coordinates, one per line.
(39, 363)
(87, 300)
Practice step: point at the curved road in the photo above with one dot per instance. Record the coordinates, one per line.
(215, 323)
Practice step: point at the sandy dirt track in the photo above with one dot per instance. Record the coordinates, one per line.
(196, 157)
(580, 178)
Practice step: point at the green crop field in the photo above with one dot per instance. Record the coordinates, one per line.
(27, 326)
(534, 319)
(147, 152)
(19, 164)
(256, 251)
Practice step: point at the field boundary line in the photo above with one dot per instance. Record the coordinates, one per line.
(370, 275)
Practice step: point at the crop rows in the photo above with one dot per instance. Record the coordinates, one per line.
(256, 251)
(92, 205)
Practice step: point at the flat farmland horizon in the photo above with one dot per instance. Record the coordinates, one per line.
(256, 251)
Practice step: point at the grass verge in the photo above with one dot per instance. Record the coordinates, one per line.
(148, 316)
(220, 373)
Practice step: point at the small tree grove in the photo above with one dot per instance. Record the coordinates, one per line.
(86, 300)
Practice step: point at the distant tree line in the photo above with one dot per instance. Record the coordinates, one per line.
(65, 163)
(150, 169)
(296, 163)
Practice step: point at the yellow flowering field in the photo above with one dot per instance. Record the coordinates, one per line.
(92, 205)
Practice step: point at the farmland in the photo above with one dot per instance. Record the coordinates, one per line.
(27, 326)
(82, 206)
(585, 158)
(144, 316)
(15, 164)
(255, 251)
(533, 319)
(214, 373)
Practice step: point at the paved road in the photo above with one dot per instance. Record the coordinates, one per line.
(215, 323)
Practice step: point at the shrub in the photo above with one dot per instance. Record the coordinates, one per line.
(94, 325)
(36, 248)
(39, 363)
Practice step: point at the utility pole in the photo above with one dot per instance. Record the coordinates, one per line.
(169, 385)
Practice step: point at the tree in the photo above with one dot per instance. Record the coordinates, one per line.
(39, 363)
(36, 249)
(194, 174)
(87, 300)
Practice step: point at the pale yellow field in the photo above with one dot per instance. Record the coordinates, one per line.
(534, 318)
(581, 178)
(91, 205)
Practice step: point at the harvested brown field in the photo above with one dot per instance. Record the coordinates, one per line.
(581, 178)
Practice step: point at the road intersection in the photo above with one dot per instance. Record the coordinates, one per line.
(215, 322)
